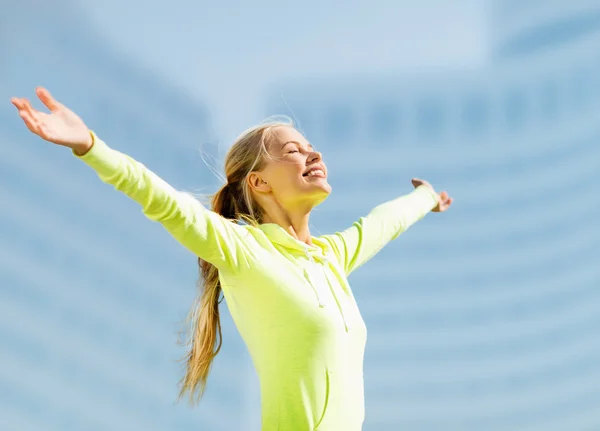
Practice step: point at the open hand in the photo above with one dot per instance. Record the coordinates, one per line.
(61, 126)
(444, 201)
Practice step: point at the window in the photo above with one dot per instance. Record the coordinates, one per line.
(383, 123)
(338, 125)
(475, 115)
(549, 101)
(515, 110)
(429, 120)
(581, 87)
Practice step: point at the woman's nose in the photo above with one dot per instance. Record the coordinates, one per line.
(314, 156)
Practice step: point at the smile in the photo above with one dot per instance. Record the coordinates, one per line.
(315, 173)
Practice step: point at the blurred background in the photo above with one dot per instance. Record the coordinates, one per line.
(484, 318)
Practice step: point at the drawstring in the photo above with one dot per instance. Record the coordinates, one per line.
(310, 281)
(332, 290)
(337, 302)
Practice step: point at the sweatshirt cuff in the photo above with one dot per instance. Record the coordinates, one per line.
(100, 157)
(427, 196)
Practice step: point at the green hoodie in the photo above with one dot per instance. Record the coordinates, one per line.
(291, 302)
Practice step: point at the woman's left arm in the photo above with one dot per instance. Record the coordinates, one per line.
(366, 237)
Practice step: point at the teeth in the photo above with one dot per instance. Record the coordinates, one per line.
(316, 172)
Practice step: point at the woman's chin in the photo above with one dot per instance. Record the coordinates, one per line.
(320, 192)
(320, 184)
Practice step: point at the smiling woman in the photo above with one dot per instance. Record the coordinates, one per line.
(287, 291)
(291, 179)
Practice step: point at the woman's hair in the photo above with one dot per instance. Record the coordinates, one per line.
(234, 202)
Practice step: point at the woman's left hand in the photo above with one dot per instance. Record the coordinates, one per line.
(444, 201)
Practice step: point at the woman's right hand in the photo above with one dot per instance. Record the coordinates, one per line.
(61, 126)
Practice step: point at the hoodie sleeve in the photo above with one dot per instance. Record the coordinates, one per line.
(365, 238)
(203, 232)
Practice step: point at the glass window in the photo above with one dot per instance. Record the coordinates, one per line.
(581, 86)
(338, 125)
(475, 115)
(550, 101)
(384, 123)
(515, 109)
(429, 120)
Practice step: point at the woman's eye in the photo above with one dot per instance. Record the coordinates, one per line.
(293, 151)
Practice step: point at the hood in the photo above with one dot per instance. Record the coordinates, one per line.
(279, 236)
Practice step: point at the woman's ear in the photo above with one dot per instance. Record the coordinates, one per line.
(258, 183)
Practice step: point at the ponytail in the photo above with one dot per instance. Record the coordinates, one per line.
(205, 331)
(233, 202)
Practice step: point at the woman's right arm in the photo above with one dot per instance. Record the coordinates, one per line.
(203, 232)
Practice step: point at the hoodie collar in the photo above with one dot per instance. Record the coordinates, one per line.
(280, 236)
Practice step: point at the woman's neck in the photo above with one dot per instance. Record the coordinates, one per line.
(296, 224)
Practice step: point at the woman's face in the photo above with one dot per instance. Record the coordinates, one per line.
(294, 174)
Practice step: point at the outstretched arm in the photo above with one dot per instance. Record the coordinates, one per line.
(203, 232)
(365, 238)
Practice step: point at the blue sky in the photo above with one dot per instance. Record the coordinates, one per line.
(228, 52)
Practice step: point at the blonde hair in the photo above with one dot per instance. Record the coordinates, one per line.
(234, 202)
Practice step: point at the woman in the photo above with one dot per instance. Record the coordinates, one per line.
(287, 290)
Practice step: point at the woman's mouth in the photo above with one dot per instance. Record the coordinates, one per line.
(316, 171)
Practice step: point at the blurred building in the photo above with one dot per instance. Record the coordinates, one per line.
(91, 292)
(484, 318)
(524, 28)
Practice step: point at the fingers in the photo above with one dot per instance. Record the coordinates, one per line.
(18, 102)
(30, 116)
(29, 121)
(50, 102)
(445, 201)
(44, 95)
(25, 108)
(444, 197)
(23, 105)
